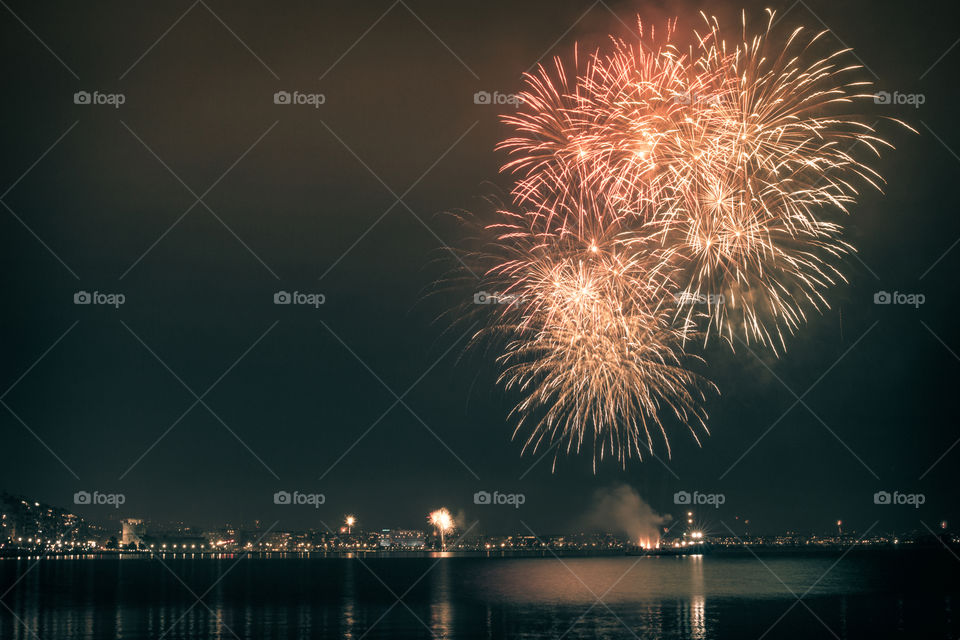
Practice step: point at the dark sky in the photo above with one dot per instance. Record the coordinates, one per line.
(298, 198)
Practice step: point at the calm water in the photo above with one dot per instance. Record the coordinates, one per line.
(864, 595)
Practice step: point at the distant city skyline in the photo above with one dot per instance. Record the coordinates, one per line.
(67, 523)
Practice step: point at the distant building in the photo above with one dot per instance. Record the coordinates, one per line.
(133, 531)
(402, 539)
(24, 520)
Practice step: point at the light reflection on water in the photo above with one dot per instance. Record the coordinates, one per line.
(696, 597)
(441, 607)
(640, 578)
(348, 612)
(697, 620)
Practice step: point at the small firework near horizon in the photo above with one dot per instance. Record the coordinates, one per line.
(443, 522)
(663, 198)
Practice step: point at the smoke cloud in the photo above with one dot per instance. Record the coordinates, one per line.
(620, 509)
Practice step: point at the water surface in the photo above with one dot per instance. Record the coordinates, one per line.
(861, 595)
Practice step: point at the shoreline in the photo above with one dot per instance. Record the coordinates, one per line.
(745, 551)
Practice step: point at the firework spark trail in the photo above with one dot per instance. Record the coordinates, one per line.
(650, 180)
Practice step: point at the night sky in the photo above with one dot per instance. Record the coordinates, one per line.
(346, 200)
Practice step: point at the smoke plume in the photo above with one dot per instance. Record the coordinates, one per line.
(620, 509)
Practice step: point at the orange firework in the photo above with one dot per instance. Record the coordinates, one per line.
(591, 341)
(596, 364)
(569, 134)
(768, 156)
(443, 521)
(662, 197)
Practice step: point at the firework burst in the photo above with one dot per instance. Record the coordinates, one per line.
(443, 521)
(663, 197)
(764, 162)
(598, 365)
